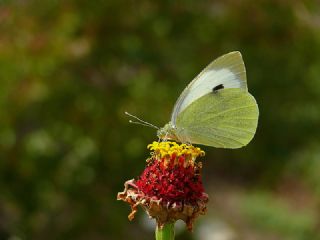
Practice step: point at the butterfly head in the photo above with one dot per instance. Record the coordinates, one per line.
(168, 132)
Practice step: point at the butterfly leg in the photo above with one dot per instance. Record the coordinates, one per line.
(165, 138)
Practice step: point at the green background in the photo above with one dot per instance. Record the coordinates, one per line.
(69, 70)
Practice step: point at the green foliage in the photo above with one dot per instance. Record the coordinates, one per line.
(69, 69)
(275, 217)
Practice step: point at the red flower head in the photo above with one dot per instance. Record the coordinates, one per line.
(170, 187)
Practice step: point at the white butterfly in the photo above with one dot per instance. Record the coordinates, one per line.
(215, 109)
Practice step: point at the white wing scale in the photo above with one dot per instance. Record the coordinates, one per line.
(228, 70)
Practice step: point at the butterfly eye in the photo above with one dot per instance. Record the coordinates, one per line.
(218, 87)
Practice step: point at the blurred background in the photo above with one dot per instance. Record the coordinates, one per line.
(69, 70)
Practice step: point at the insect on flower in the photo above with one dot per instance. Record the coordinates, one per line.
(215, 109)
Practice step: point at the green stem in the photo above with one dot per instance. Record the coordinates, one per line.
(165, 232)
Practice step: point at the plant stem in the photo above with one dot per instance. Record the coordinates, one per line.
(166, 232)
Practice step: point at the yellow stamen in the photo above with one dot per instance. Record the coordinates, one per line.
(167, 149)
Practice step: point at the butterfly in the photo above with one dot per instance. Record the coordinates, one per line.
(215, 109)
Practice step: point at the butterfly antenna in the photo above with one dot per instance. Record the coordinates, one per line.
(140, 121)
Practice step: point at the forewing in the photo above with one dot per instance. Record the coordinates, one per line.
(227, 70)
(224, 119)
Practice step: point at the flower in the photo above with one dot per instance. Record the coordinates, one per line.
(170, 187)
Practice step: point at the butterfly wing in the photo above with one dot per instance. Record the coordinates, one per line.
(225, 119)
(227, 71)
